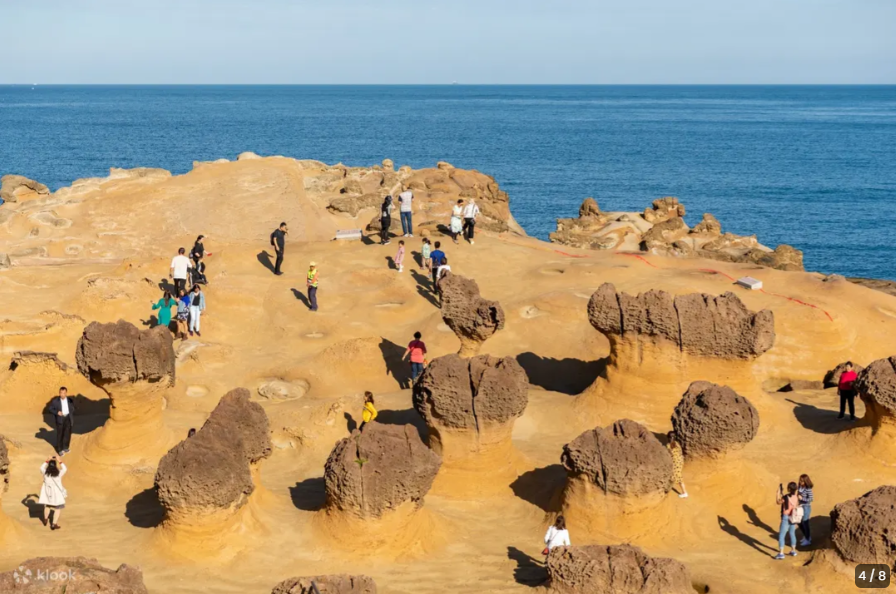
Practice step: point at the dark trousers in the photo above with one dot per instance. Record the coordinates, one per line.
(63, 433)
(848, 397)
(180, 283)
(312, 297)
(385, 224)
(279, 262)
(416, 370)
(407, 226)
(469, 228)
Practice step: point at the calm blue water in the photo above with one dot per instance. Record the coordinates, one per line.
(811, 166)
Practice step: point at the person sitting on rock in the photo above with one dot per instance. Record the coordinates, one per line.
(52, 493)
(677, 464)
(369, 413)
(556, 536)
(847, 391)
(791, 516)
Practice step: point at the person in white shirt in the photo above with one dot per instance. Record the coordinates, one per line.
(471, 211)
(180, 268)
(441, 272)
(456, 223)
(52, 493)
(406, 201)
(557, 536)
(63, 410)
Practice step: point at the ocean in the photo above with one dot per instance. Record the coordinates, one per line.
(811, 166)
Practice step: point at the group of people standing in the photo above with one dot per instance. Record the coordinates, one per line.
(188, 303)
(796, 509)
(463, 220)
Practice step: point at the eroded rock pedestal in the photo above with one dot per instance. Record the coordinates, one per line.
(472, 318)
(711, 420)
(620, 569)
(135, 368)
(71, 574)
(876, 385)
(327, 584)
(863, 530)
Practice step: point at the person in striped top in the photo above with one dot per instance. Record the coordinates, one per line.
(806, 497)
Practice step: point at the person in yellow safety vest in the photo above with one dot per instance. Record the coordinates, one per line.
(311, 283)
(369, 413)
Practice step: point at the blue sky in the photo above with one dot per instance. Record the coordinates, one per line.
(468, 41)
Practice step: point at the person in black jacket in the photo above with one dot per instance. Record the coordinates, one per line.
(63, 410)
(278, 240)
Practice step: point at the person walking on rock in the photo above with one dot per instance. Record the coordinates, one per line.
(806, 497)
(417, 352)
(405, 202)
(311, 283)
(278, 240)
(847, 391)
(457, 225)
(183, 314)
(425, 253)
(791, 516)
(369, 413)
(556, 536)
(180, 269)
(63, 410)
(436, 257)
(197, 306)
(677, 464)
(471, 211)
(386, 220)
(399, 257)
(197, 254)
(164, 306)
(52, 493)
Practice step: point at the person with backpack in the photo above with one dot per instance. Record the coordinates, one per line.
(791, 516)
(436, 257)
(278, 240)
(52, 493)
(806, 497)
(386, 220)
(405, 202)
(556, 536)
(847, 391)
(471, 211)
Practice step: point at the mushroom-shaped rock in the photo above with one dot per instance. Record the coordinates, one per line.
(863, 530)
(211, 471)
(832, 377)
(472, 318)
(120, 352)
(622, 569)
(695, 323)
(624, 458)
(876, 386)
(713, 419)
(480, 397)
(664, 209)
(327, 584)
(376, 470)
(589, 208)
(15, 188)
(73, 574)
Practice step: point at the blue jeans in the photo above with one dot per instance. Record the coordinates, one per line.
(786, 527)
(804, 525)
(407, 226)
(312, 297)
(416, 370)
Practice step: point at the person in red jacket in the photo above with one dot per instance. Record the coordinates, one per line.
(846, 389)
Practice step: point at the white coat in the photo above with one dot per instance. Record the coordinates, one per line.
(556, 538)
(52, 492)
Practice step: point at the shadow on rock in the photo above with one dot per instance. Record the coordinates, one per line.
(541, 487)
(310, 494)
(567, 376)
(398, 368)
(529, 571)
(144, 509)
(821, 420)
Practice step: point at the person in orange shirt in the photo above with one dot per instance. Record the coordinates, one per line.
(417, 351)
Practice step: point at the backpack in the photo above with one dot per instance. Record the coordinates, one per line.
(796, 516)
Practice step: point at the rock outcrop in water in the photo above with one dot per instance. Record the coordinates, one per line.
(711, 420)
(472, 318)
(17, 188)
(622, 569)
(863, 530)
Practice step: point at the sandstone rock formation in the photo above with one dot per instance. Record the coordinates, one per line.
(695, 323)
(472, 318)
(211, 472)
(876, 385)
(863, 530)
(17, 188)
(622, 569)
(474, 401)
(375, 471)
(624, 458)
(832, 377)
(134, 367)
(712, 419)
(661, 230)
(4, 466)
(327, 584)
(71, 574)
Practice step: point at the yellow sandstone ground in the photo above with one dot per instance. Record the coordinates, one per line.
(482, 526)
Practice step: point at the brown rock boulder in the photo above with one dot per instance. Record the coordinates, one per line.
(664, 209)
(832, 377)
(664, 233)
(212, 469)
(876, 385)
(119, 352)
(712, 419)
(784, 257)
(624, 458)
(709, 226)
(377, 470)
(16, 188)
(327, 584)
(863, 530)
(72, 574)
(472, 318)
(622, 569)
(589, 208)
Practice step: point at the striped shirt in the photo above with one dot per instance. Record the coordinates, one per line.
(806, 496)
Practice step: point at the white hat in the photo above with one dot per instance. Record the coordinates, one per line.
(313, 264)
